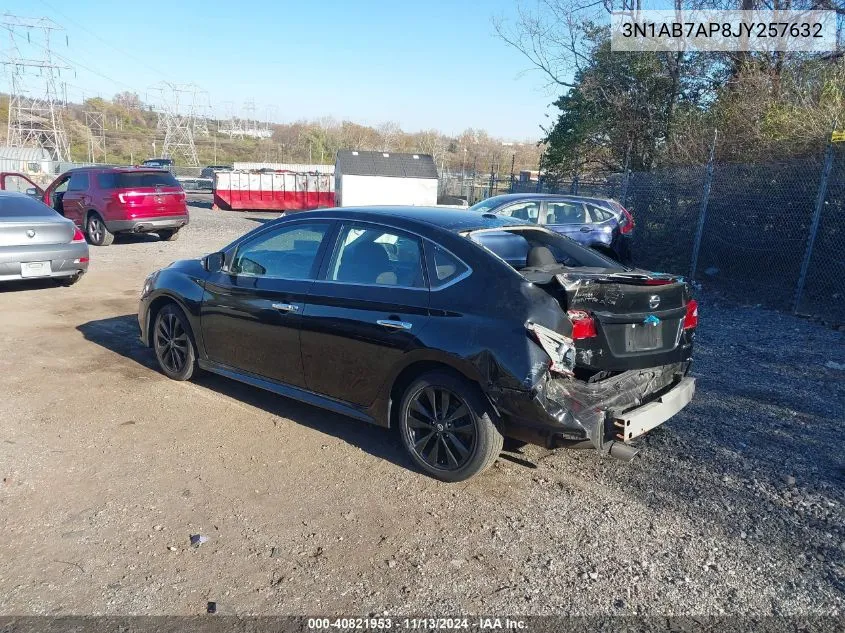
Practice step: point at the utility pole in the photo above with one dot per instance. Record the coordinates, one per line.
(513, 159)
(37, 97)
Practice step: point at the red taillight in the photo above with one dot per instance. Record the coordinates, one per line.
(583, 325)
(627, 224)
(78, 236)
(691, 318)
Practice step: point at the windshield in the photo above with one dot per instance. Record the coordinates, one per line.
(514, 244)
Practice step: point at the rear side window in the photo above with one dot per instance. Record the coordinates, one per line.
(105, 181)
(443, 267)
(137, 179)
(78, 181)
(599, 214)
(372, 255)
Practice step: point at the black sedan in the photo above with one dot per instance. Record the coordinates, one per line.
(460, 328)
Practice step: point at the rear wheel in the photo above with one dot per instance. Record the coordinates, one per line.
(168, 235)
(96, 230)
(448, 428)
(173, 344)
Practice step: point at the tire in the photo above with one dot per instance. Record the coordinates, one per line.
(96, 231)
(168, 235)
(69, 281)
(177, 359)
(447, 444)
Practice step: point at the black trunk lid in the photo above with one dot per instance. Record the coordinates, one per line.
(638, 316)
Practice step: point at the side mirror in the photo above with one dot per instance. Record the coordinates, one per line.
(214, 263)
(32, 192)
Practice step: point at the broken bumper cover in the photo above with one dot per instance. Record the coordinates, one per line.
(562, 411)
(633, 423)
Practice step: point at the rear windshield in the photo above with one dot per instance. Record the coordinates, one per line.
(137, 179)
(19, 205)
(514, 244)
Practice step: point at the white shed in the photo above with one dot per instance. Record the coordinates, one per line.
(28, 160)
(374, 178)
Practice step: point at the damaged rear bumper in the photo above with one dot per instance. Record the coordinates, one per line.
(561, 411)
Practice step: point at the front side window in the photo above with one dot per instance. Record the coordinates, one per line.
(286, 253)
(379, 256)
(62, 186)
(15, 182)
(528, 211)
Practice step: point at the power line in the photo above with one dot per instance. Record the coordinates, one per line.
(100, 39)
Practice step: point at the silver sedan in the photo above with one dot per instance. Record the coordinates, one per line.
(36, 242)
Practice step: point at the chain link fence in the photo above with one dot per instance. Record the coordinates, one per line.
(768, 233)
(43, 172)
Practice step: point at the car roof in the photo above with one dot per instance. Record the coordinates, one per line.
(509, 197)
(450, 219)
(128, 169)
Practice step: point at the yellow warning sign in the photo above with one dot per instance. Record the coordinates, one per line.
(837, 137)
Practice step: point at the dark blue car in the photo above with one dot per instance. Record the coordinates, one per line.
(604, 225)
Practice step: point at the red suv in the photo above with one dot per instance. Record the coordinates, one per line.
(104, 201)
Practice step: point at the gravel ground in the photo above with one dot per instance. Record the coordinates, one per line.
(736, 506)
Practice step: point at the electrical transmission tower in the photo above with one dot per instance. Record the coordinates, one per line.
(251, 125)
(37, 97)
(96, 124)
(231, 125)
(201, 113)
(176, 110)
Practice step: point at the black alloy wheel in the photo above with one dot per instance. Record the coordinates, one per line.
(447, 427)
(173, 345)
(442, 429)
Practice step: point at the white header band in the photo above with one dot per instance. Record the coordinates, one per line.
(712, 30)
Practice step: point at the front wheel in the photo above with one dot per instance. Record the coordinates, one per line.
(448, 428)
(173, 344)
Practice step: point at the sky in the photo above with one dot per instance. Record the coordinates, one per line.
(435, 64)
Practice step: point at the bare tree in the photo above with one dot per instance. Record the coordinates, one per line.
(390, 133)
(552, 36)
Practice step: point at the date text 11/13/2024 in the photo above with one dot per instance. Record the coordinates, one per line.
(417, 624)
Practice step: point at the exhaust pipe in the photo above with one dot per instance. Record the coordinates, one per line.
(623, 452)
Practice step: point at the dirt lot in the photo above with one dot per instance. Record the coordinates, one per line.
(735, 506)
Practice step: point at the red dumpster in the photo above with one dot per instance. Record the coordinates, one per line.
(273, 191)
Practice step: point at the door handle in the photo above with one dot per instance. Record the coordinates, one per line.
(286, 307)
(396, 325)
(586, 229)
